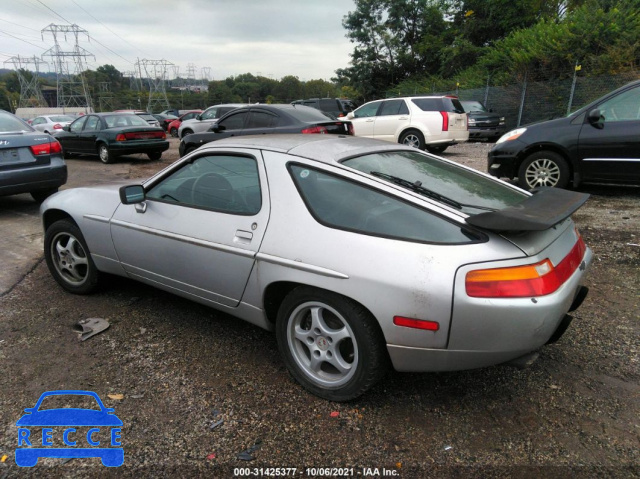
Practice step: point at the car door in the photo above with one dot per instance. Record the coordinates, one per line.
(613, 151)
(200, 227)
(364, 119)
(231, 125)
(87, 138)
(70, 140)
(260, 122)
(392, 117)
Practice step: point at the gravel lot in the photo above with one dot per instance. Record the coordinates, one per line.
(181, 368)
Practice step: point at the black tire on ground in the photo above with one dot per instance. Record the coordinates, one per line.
(330, 344)
(436, 148)
(174, 132)
(68, 258)
(543, 168)
(41, 195)
(104, 154)
(155, 156)
(413, 138)
(186, 133)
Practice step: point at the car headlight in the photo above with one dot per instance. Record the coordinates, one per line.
(472, 121)
(512, 135)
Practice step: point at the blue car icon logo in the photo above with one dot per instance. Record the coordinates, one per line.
(42, 433)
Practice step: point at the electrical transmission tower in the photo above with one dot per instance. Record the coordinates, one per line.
(70, 64)
(30, 92)
(105, 96)
(206, 73)
(176, 75)
(156, 73)
(191, 75)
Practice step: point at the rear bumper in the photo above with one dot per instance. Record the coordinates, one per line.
(131, 147)
(32, 178)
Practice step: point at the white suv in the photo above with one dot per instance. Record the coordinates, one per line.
(204, 120)
(425, 122)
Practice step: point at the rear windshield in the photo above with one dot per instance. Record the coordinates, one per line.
(61, 118)
(476, 192)
(116, 121)
(146, 117)
(10, 123)
(308, 114)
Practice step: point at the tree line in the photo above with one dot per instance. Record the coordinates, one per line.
(419, 45)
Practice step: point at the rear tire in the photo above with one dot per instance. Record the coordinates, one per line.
(174, 132)
(105, 155)
(543, 168)
(186, 133)
(437, 149)
(330, 344)
(155, 156)
(413, 138)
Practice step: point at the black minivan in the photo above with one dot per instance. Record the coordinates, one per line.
(598, 143)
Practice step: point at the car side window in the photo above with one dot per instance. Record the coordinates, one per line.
(234, 122)
(622, 107)
(366, 111)
(76, 126)
(343, 204)
(223, 183)
(393, 107)
(210, 114)
(189, 116)
(260, 119)
(37, 121)
(92, 124)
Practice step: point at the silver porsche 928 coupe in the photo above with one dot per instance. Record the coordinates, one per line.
(358, 253)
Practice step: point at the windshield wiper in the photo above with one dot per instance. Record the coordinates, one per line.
(418, 188)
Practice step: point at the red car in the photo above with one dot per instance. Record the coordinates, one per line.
(175, 124)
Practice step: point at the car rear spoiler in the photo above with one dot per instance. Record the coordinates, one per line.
(545, 208)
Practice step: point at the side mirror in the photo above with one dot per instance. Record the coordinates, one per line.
(217, 128)
(350, 115)
(198, 117)
(596, 119)
(66, 128)
(131, 194)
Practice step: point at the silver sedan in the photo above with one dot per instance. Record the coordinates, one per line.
(357, 253)
(52, 123)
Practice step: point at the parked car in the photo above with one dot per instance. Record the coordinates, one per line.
(30, 161)
(598, 143)
(110, 135)
(267, 119)
(357, 253)
(335, 107)
(164, 120)
(204, 120)
(175, 124)
(429, 122)
(483, 124)
(145, 115)
(51, 123)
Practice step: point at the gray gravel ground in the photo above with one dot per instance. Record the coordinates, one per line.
(182, 367)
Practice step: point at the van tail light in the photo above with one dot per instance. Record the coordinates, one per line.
(46, 148)
(315, 129)
(537, 279)
(445, 120)
(57, 126)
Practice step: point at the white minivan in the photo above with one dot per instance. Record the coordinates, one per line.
(425, 122)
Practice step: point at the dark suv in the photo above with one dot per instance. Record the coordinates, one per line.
(336, 107)
(600, 142)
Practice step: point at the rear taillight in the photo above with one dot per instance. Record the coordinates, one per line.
(46, 148)
(57, 126)
(315, 129)
(445, 120)
(537, 279)
(141, 135)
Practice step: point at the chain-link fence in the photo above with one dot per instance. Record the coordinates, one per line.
(535, 99)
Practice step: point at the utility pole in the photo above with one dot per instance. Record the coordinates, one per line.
(30, 92)
(70, 65)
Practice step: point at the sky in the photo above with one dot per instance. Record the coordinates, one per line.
(272, 38)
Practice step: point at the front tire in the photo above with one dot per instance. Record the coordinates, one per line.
(105, 155)
(413, 138)
(68, 258)
(330, 344)
(40, 195)
(174, 132)
(543, 168)
(186, 133)
(437, 149)
(155, 156)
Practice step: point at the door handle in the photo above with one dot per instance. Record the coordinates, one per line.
(243, 237)
(403, 118)
(370, 120)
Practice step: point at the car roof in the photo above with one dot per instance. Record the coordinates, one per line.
(323, 148)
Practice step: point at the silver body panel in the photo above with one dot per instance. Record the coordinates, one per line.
(228, 261)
